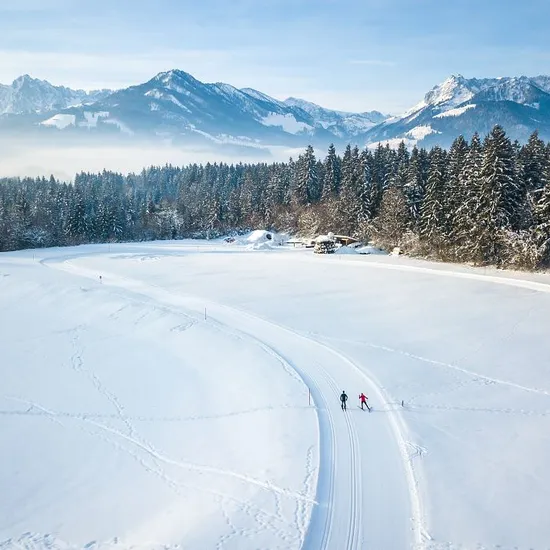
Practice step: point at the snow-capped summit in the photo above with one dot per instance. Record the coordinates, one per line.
(452, 92)
(462, 105)
(457, 90)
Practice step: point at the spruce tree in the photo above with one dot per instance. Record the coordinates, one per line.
(414, 187)
(465, 215)
(497, 210)
(530, 176)
(456, 192)
(331, 180)
(365, 188)
(542, 216)
(432, 212)
(532, 159)
(393, 220)
(307, 172)
(349, 208)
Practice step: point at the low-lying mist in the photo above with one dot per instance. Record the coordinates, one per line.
(63, 161)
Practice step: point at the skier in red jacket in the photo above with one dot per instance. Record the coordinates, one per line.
(363, 399)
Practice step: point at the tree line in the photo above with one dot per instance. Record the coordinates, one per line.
(485, 202)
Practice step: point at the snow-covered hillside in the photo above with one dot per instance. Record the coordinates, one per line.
(157, 396)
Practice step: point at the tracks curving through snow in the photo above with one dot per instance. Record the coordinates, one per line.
(366, 493)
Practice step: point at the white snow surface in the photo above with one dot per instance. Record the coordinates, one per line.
(286, 121)
(456, 112)
(369, 249)
(345, 250)
(166, 404)
(260, 239)
(60, 121)
(420, 132)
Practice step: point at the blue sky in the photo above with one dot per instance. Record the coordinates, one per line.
(351, 55)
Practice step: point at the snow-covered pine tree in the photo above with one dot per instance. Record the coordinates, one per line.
(530, 167)
(464, 221)
(380, 176)
(432, 213)
(331, 180)
(365, 187)
(307, 187)
(497, 209)
(532, 158)
(274, 194)
(455, 195)
(350, 192)
(400, 174)
(541, 230)
(299, 187)
(393, 220)
(402, 157)
(415, 185)
(77, 226)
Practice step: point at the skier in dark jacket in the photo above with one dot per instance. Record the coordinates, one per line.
(343, 400)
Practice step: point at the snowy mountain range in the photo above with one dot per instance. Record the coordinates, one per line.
(175, 106)
(464, 106)
(29, 95)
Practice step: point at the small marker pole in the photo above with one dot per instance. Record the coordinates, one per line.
(402, 403)
(205, 314)
(309, 396)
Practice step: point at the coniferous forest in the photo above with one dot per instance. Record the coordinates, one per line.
(485, 202)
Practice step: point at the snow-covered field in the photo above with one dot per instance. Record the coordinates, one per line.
(156, 395)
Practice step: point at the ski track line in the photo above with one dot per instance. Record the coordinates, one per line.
(263, 518)
(78, 365)
(287, 366)
(328, 461)
(325, 431)
(355, 517)
(205, 469)
(326, 426)
(174, 419)
(507, 281)
(474, 375)
(397, 425)
(396, 420)
(51, 414)
(167, 460)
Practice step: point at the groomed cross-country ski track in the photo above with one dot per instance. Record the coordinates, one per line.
(207, 377)
(367, 495)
